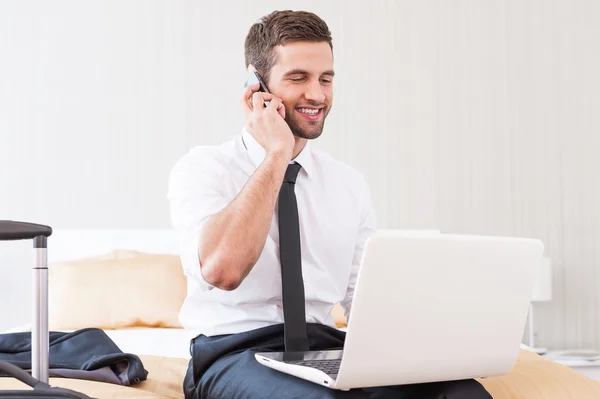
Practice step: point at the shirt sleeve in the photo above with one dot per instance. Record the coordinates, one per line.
(194, 196)
(366, 229)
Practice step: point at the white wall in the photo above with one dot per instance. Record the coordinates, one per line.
(469, 116)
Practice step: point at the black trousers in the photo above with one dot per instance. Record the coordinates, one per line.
(224, 367)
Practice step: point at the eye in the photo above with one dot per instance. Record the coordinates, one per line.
(297, 80)
(326, 81)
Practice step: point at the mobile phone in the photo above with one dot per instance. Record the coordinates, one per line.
(256, 78)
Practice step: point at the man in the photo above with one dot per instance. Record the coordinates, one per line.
(272, 230)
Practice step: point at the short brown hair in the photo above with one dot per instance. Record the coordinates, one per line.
(279, 28)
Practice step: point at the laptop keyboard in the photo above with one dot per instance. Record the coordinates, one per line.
(327, 366)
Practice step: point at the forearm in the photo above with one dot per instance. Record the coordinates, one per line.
(232, 241)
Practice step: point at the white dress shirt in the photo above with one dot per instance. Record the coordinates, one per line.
(336, 217)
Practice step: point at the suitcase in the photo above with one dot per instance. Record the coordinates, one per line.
(38, 380)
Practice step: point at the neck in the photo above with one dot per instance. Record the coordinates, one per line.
(299, 146)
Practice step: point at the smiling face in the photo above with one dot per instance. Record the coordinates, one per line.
(302, 77)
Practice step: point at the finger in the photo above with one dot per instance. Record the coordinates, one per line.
(251, 89)
(267, 97)
(281, 109)
(258, 101)
(276, 106)
(247, 96)
(273, 104)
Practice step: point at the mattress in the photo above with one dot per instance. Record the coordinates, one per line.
(163, 342)
(535, 377)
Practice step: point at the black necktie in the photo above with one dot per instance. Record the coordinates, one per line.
(291, 265)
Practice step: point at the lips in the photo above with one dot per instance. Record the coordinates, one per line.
(310, 113)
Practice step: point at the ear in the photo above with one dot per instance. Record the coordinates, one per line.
(251, 69)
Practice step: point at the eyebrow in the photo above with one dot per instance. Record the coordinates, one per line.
(303, 72)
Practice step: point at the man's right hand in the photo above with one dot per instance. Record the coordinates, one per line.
(267, 125)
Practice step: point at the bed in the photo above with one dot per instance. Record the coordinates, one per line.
(78, 257)
(533, 377)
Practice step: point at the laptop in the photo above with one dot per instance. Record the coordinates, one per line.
(427, 308)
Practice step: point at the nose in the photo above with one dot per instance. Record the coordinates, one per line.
(314, 92)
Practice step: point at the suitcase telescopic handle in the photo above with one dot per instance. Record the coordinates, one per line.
(11, 230)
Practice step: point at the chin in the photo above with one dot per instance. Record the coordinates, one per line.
(309, 132)
(310, 135)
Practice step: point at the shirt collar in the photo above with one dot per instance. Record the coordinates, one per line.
(257, 153)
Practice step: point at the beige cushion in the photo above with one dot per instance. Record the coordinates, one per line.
(121, 289)
(119, 254)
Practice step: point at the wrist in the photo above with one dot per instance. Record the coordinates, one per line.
(280, 156)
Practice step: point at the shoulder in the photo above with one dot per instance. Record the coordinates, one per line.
(338, 170)
(204, 165)
(208, 157)
(206, 160)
